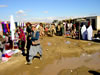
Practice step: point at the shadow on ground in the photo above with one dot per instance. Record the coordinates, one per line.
(94, 72)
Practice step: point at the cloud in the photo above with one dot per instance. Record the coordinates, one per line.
(93, 14)
(45, 12)
(21, 15)
(20, 12)
(42, 19)
(1, 6)
(46, 19)
(24, 14)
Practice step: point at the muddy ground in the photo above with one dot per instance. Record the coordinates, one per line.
(61, 56)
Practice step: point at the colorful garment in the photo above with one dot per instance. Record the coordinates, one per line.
(8, 29)
(22, 41)
(22, 35)
(3, 27)
(1, 30)
(0, 27)
(9, 25)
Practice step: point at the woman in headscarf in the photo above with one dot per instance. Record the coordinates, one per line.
(22, 41)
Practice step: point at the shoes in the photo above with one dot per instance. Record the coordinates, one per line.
(23, 54)
(40, 58)
(28, 63)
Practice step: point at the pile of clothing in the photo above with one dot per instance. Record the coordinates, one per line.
(8, 54)
(5, 54)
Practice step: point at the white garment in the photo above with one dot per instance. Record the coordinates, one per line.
(12, 28)
(0, 28)
(12, 35)
(89, 32)
(18, 23)
(1, 31)
(69, 25)
(37, 26)
(24, 29)
(83, 30)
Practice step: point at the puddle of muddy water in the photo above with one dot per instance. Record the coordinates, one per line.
(90, 61)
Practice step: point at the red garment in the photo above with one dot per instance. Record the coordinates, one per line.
(74, 25)
(6, 55)
(22, 35)
(46, 29)
(88, 23)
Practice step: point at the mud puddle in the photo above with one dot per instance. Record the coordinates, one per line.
(91, 61)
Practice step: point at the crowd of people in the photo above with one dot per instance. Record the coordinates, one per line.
(27, 37)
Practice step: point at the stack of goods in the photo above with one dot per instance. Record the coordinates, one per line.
(8, 53)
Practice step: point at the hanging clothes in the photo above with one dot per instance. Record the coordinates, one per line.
(89, 32)
(8, 28)
(0, 27)
(16, 24)
(12, 28)
(84, 32)
(1, 30)
(3, 27)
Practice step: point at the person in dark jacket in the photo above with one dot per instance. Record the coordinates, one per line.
(28, 30)
(35, 45)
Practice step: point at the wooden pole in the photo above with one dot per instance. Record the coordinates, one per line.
(13, 44)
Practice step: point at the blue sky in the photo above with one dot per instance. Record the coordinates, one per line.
(48, 9)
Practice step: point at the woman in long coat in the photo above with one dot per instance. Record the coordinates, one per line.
(22, 41)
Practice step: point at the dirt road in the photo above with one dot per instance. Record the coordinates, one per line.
(61, 56)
